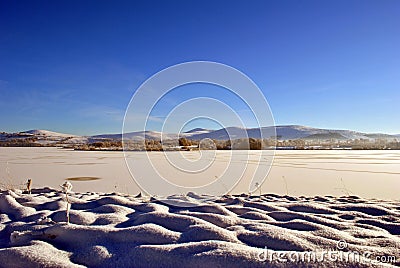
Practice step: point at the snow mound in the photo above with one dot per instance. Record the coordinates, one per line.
(116, 230)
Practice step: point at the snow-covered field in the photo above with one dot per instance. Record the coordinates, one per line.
(317, 208)
(117, 230)
(369, 174)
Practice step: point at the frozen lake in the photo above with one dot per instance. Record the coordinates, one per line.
(371, 174)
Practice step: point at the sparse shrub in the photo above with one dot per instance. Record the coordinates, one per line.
(184, 142)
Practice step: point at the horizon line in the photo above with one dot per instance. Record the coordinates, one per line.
(284, 125)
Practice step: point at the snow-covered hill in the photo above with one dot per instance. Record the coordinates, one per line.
(42, 137)
(46, 133)
(138, 136)
(287, 132)
(198, 130)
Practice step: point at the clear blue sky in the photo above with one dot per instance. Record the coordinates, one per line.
(72, 66)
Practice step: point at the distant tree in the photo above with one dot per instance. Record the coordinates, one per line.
(255, 144)
(184, 142)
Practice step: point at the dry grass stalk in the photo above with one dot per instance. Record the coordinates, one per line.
(29, 186)
(67, 187)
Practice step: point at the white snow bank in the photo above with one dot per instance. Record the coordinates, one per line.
(116, 230)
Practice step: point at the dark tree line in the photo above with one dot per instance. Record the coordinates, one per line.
(27, 142)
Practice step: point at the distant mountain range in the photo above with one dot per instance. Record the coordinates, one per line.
(288, 132)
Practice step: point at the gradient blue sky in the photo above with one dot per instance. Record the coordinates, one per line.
(72, 66)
